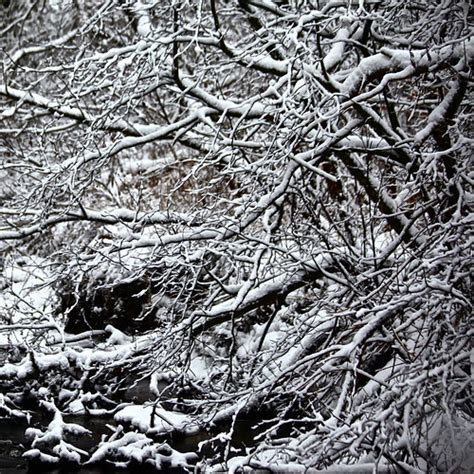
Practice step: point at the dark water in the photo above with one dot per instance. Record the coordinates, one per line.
(12, 435)
(13, 444)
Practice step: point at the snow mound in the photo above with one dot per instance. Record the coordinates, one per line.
(151, 418)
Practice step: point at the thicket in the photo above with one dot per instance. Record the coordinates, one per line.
(265, 204)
